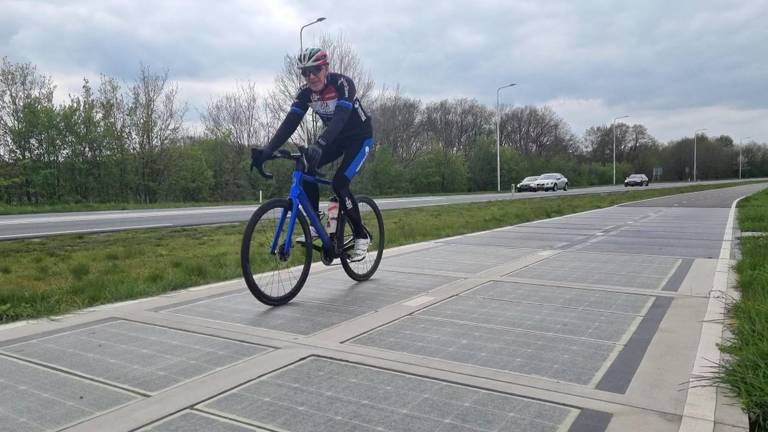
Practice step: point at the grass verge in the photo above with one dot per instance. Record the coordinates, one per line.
(55, 275)
(745, 372)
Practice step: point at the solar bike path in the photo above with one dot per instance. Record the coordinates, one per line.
(589, 322)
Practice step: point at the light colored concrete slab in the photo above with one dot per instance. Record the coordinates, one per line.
(35, 399)
(135, 356)
(325, 395)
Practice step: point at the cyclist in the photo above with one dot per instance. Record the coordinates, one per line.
(348, 135)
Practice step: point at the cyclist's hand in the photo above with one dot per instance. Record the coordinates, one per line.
(257, 158)
(313, 154)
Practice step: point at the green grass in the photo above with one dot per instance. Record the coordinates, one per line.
(753, 213)
(56, 275)
(745, 372)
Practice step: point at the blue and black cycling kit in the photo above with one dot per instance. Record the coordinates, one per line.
(348, 134)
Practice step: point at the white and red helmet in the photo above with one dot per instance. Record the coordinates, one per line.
(312, 57)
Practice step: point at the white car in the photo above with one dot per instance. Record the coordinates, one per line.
(552, 181)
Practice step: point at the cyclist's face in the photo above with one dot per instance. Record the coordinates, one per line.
(316, 79)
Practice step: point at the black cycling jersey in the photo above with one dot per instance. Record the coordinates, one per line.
(337, 106)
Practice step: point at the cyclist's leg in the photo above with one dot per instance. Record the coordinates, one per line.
(355, 153)
(312, 189)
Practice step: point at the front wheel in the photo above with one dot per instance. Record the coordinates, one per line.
(363, 269)
(554, 187)
(280, 275)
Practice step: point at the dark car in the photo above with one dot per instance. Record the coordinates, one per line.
(636, 180)
(528, 184)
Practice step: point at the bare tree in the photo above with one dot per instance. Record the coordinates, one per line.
(536, 131)
(632, 142)
(239, 116)
(155, 117)
(398, 125)
(113, 114)
(456, 124)
(639, 140)
(154, 120)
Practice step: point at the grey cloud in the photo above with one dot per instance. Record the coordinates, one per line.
(655, 55)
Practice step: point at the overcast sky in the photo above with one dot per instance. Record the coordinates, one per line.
(674, 66)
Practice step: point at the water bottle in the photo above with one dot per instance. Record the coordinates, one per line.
(333, 215)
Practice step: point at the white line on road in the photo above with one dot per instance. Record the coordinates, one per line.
(126, 215)
(5, 237)
(410, 199)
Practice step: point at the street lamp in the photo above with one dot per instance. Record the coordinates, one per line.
(613, 127)
(694, 150)
(741, 145)
(301, 41)
(498, 134)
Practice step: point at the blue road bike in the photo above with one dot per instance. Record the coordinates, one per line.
(277, 240)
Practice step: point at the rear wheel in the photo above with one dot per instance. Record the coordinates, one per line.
(363, 269)
(280, 276)
(565, 188)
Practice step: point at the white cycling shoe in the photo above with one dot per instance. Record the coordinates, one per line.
(361, 249)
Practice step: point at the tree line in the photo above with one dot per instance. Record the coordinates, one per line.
(126, 142)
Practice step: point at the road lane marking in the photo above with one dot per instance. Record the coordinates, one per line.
(124, 215)
(123, 228)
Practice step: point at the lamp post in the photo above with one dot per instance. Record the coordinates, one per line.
(613, 127)
(694, 150)
(741, 145)
(498, 135)
(301, 41)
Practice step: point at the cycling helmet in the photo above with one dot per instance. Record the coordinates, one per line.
(312, 57)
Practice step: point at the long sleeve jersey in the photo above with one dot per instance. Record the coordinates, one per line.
(337, 106)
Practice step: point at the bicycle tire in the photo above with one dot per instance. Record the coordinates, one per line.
(262, 227)
(364, 270)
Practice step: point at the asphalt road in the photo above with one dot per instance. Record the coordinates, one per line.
(41, 225)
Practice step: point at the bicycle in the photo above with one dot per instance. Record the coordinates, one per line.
(267, 233)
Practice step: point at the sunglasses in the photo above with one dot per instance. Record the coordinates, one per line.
(311, 70)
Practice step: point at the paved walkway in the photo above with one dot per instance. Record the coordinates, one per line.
(589, 322)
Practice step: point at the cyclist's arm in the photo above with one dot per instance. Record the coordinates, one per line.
(290, 123)
(345, 90)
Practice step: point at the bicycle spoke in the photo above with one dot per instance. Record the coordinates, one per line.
(275, 278)
(364, 268)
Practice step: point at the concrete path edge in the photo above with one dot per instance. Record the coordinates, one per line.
(701, 401)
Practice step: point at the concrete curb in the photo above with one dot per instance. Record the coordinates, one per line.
(701, 401)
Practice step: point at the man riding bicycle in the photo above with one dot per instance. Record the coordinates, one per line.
(348, 135)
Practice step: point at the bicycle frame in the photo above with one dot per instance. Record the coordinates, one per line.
(299, 198)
